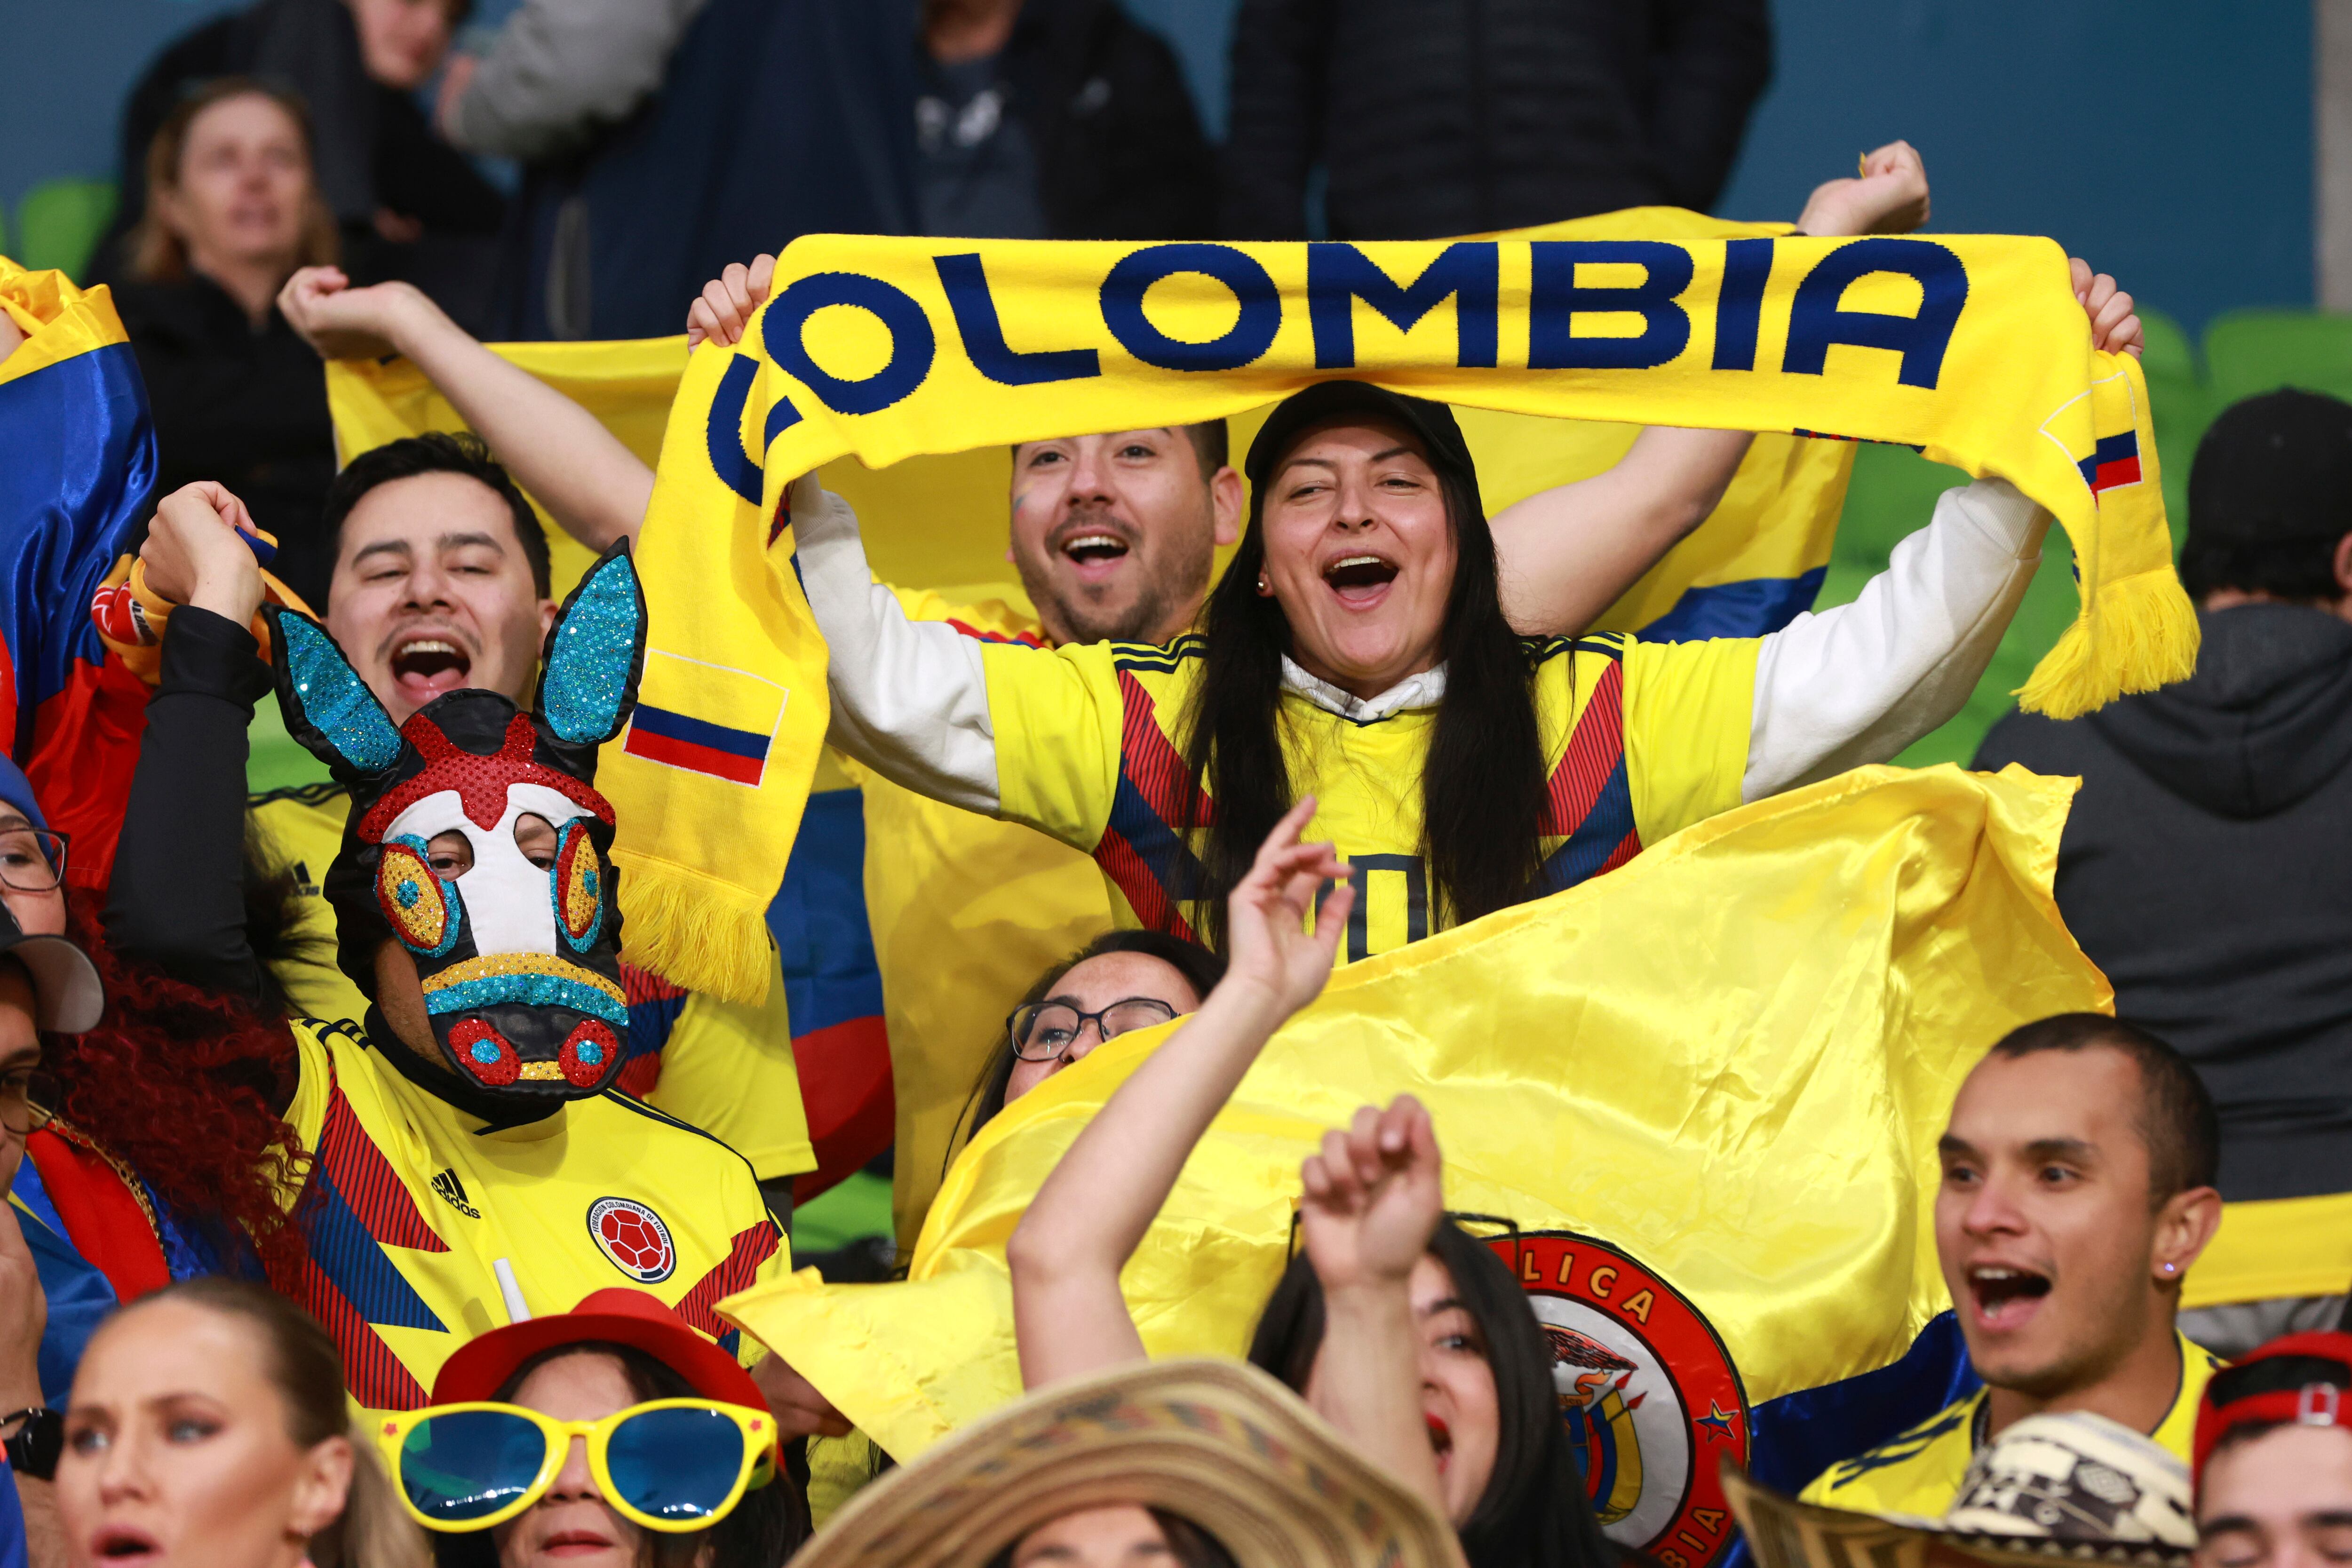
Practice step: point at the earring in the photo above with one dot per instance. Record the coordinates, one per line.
(2172, 1268)
(1262, 585)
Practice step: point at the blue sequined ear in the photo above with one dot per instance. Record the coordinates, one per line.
(594, 652)
(328, 707)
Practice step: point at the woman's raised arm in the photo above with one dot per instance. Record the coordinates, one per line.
(1090, 1215)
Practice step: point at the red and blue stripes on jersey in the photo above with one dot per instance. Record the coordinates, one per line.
(1142, 850)
(736, 1271)
(76, 461)
(1589, 799)
(354, 1205)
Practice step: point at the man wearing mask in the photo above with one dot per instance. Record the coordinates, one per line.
(2234, 938)
(471, 1159)
(2077, 1191)
(440, 581)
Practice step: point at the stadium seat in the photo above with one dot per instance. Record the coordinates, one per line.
(58, 224)
(2180, 407)
(2247, 351)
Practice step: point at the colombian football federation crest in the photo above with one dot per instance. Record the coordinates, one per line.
(1648, 1397)
(634, 1238)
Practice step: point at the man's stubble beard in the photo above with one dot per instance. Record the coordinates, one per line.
(1159, 611)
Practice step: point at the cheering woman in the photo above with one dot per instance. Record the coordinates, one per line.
(1406, 1334)
(1366, 648)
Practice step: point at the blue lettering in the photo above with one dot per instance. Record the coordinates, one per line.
(1746, 266)
(912, 345)
(724, 435)
(1555, 299)
(1815, 320)
(1251, 335)
(984, 335)
(1338, 275)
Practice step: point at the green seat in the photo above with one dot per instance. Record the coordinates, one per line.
(59, 223)
(2250, 351)
(2180, 407)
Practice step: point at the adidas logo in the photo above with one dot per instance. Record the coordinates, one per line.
(453, 1191)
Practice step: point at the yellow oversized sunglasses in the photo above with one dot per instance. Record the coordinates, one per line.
(671, 1465)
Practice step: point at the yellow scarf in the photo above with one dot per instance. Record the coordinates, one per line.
(1971, 348)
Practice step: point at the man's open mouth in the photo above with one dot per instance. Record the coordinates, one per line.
(425, 666)
(1359, 578)
(1090, 548)
(2004, 1296)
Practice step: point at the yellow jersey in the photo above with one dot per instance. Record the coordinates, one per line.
(726, 1068)
(406, 1203)
(1640, 739)
(1920, 1472)
(966, 912)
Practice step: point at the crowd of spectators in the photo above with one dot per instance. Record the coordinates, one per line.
(302, 1100)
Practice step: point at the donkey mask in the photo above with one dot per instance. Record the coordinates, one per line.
(519, 961)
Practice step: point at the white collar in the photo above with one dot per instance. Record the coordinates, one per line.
(1422, 690)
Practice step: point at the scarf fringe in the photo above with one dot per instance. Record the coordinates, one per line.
(695, 932)
(2136, 635)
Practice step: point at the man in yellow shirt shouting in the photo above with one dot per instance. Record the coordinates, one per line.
(2077, 1191)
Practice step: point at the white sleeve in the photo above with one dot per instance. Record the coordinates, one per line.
(1858, 683)
(909, 698)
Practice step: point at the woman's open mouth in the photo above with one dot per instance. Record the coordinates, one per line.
(1441, 1441)
(426, 664)
(1360, 580)
(2005, 1296)
(122, 1543)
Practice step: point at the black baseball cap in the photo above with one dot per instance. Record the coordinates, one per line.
(66, 996)
(1328, 400)
(2273, 469)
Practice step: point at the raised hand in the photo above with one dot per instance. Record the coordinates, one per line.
(799, 1409)
(1373, 1196)
(2114, 326)
(1267, 917)
(194, 553)
(725, 307)
(1888, 195)
(340, 322)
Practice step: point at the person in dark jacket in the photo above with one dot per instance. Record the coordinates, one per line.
(1445, 116)
(407, 205)
(2207, 866)
(1056, 119)
(232, 211)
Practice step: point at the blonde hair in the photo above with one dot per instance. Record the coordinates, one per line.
(159, 256)
(299, 1361)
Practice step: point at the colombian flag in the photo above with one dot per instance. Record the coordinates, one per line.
(2098, 431)
(1766, 1017)
(76, 461)
(705, 718)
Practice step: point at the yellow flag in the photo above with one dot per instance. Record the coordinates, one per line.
(1707, 1088)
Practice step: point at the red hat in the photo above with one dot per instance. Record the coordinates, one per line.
(2301, 1380)
(616, 1315)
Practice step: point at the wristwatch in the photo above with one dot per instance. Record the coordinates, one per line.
(34, 1446)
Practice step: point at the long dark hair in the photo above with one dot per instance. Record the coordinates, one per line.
(1534, 1513)
(765, 1527)
(1200, 969)
(1482, 786)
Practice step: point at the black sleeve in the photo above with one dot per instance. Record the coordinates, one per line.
(1274, 130)
(1713, 59)
(177, 899)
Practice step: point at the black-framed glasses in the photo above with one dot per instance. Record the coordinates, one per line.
(33, 859)
(1045, 1031)
(1487, 1229)
(29, 1101)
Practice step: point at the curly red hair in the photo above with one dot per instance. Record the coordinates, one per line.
(181, 1083)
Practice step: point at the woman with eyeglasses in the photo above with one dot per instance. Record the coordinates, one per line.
(611, 1437)
(1405, 1333)
(209, 1430)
